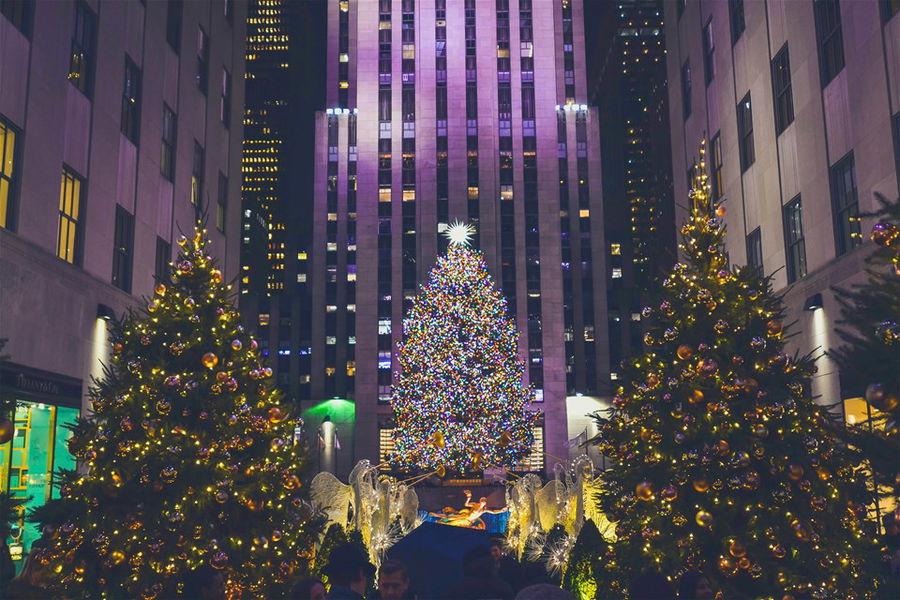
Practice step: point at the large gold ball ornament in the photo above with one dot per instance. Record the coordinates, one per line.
(669, 493)
(7, 430)
(153, 305)
(210, 360)
(236, 345)
(437, 439)
(644, 491)
(703, 518)
(684, 352)
(117, 556)
(885, 234)
(774, 328)
(277, 414)
(160, 289)
(701, 485)
(795, 472)
(695, 397)
(737, 549)
(727, 566)
(216, 276)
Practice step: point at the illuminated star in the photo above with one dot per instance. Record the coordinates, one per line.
(459, 233)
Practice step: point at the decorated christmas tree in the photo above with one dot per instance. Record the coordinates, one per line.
(460, 401)
(188, 459)
(869, 358)
(723, 463)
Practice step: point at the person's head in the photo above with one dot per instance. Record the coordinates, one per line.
(695, 586)
(204, 583)
(308, 589)
(477, 562)
(393, 580)
(349, 566)
(543, 591)
(496, 549)
(650, 586)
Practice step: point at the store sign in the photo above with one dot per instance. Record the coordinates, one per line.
(18, 379)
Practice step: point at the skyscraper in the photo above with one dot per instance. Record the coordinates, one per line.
(444, 110)
(282, 94)
(627, 79)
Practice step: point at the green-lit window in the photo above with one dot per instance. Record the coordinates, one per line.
(8, 137)
(69, 212)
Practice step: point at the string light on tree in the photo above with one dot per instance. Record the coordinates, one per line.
(460, 401)
(722, 462)
(188, 458)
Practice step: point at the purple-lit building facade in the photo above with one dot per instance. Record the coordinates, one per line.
(444, 110)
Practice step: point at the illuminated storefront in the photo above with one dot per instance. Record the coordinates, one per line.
(45, 404)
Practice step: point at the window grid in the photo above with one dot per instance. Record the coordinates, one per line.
(8, 138)
(709, 52)
(736, 17)
(845, 205)
(829, 34)
(202, 76)
(81, 59)
(745, 133)
(174, 10)
(754, 251)
(197, 175)
(781, 88)
(163, 256)
(718, 188)
(131, 102)
(225, 98)
(169, 138)
(68, 234)
(123, 249)
(686, 89)
(222, 204)
(794, 243)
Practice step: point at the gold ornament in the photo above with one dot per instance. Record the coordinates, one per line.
(477, 459)
(774, 328)
(160, 289)
(117, 556)
(778, 551)
(701, 485)
(695, 396)
(795, 472)
(276, 414)
(703, 518)
(669, 493)
(153, 305)
(727, 566)
(644, 491)
(737, 549)
(236, 345)
(210, 360)
(216, 276)
(441, 471)
(437, 439)
(684, 352)
(7, 430)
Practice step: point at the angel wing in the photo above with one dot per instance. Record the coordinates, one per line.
(332, 497)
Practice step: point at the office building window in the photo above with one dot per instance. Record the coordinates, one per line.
(131, 101)
(18, 12)
(225, 98)
(222, 203)
(745, 133)
(8, 138)
(754, 251)
(845, 205)
(202, 76)
(169, 136)
(709, 52)
(680, 5)
(81, 60)
(895, 120)
(794, 246)
(736, 16)
(686, 89)
(123, 249)
(534, 461)
(229, 11)
(163, 256)
(830, 38)
(889, 8)
(716, 154)
(174, 10)
(68, 238)
(197, 175)
(781, 88)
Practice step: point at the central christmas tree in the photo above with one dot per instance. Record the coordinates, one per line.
(460, 401)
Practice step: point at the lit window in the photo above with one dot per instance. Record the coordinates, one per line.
(263, 319)
(584, 212)
(615, 249)
(473, 193)
(384, 194)
(384, 326)
(69, 211)
(617, 273)
(330, 339)
(7, 173)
